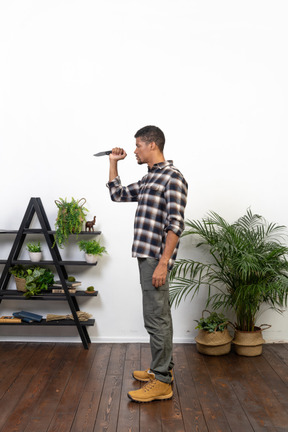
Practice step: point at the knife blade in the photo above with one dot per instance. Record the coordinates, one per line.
(104, 153)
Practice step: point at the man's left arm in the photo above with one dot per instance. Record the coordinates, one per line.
(176, 199)
(160, 273)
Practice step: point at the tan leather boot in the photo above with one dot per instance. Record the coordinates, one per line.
(145, 376)
(153, 390)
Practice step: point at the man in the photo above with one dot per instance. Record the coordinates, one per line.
(159, 222)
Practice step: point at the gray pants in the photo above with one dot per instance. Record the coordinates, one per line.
(157, 320)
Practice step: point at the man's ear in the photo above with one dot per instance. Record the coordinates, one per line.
(153, 145)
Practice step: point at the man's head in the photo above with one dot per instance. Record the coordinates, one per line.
(150, 141)
(150, 134)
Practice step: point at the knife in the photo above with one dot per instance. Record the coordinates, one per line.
(104, 153)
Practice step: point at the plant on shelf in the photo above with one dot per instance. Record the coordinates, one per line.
(20, 273)
(90, 289)
(35, 252)
(71, 279)
(70, 218)
(34, 247)
(36, 278)
(92, 249)
(247, 268)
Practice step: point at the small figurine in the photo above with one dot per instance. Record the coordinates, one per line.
(90, 224)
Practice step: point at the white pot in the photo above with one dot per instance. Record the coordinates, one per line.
(35, 256)
(91, 259)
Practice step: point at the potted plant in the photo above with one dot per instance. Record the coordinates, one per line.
(247, 268)
(90, 290)
(20, 273)
(36, 279)
(70, 218)
(35, 252)
(213, 337)
(92, 249)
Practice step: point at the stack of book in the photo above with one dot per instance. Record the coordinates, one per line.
(10, 319)
(59, 287)
(27, 316)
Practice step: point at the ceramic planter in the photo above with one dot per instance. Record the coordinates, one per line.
(35, 256)
(91, 259)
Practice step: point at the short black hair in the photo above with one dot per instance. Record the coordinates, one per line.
(151, 133)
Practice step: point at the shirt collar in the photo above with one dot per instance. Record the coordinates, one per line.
(160, 165)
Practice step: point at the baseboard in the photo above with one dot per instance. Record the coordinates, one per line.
(108, 340)
(93, 339)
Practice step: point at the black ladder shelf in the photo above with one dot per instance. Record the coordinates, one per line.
(35, 207)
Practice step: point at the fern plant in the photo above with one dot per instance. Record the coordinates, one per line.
(70, 218)
(92, 247)
(248, 267)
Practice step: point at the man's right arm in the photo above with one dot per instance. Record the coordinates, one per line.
(118, 192)
(116, 155)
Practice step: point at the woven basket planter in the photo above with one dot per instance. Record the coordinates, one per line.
(214, 344)
(20, 284)
(249, 344)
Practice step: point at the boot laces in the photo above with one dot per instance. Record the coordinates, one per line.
(149, 385)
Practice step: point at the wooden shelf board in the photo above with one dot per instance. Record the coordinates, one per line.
(43, 322)
(50, 262)
(40, 231)
(17, 295)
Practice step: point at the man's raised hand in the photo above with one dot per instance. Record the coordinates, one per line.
(118, 153)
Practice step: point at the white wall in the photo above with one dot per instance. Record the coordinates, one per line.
(78, 77)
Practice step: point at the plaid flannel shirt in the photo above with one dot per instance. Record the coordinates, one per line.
(161, 197)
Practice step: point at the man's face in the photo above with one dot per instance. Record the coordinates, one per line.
(142, 151)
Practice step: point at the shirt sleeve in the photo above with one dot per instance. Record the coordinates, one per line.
(121, 193)
(176, 199)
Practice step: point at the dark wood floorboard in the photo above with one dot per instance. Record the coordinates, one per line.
(63, 388)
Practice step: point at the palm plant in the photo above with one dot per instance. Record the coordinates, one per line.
(248, 268)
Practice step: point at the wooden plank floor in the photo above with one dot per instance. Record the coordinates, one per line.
(62, 388)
